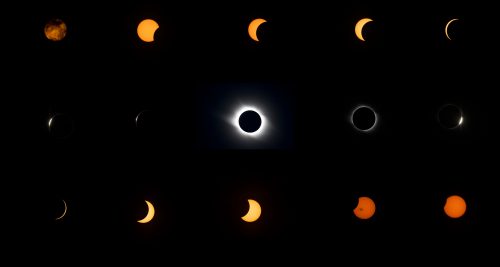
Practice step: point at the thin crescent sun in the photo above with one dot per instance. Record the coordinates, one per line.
(446, 28)
(253, 27)
(137, 118)
(150, 215)
(358, 29)
(64, 213)
(50, 121)
(254, 211)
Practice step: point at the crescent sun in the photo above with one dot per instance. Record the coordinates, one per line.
(150, 215)
(358, 29)
(50, 121)
(137, 118)
(446, 28)
(254, 211)
(64, 213)
(253, 27)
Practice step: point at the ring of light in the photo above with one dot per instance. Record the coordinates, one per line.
(236, 123)
(374, 123)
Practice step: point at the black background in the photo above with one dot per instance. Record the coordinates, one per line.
(308, 72)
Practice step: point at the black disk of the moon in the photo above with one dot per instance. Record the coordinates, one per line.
(449, 116)
(61, 126)
(250, 121)
(456, 30)
(147, 120)
(364, 118)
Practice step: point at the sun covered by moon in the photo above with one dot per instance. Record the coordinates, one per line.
(254, 211)
(249, 121)
(61, 126)
(64, 211)
(358, 29)
(151, 213)
(55, 30)
(455, 206)
(146, 30)
(446, 28)
(253, 27)
(450, 116)
(364, 118)
(365, 208)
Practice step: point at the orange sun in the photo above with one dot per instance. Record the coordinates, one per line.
(55, 30)
(455, 207)
(365, 209)
(146, 30)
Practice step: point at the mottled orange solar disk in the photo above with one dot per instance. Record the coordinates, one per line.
(365, 209)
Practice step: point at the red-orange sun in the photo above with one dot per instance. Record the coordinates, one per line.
(365, 209)
(455, 207)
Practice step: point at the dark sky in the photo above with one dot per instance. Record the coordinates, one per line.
(307, 73)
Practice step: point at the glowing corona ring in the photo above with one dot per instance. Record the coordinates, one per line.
(374, 123)
(235, 121)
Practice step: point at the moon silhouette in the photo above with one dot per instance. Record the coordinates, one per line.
(150, 215)
(365, 208)
(450, 116)
(358, 29)
(446, 28)
(249, 121)
(146, 30)
(254, 211)
(253, 27)
(64, 212)
(364, 118)
(55, 30)
(61, 126)
(137, 119)
(455, 207)
(146, 119)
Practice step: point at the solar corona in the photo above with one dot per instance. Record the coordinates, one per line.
(337, 133)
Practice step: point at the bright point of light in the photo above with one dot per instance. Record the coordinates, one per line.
(461, 121)
(50, 121)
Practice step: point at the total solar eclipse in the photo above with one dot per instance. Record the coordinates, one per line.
(450, 116)
(364, 118)
(249, 121)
